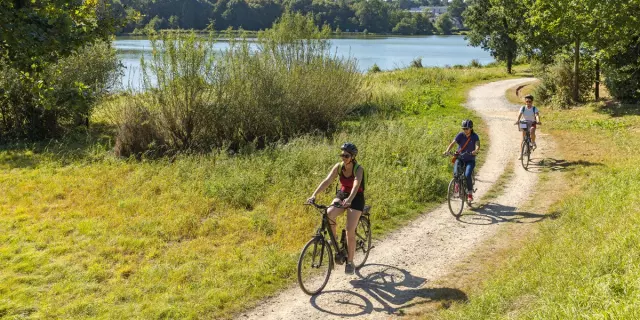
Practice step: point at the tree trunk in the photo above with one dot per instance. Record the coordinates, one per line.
(509, 61)
(597, 79)
(576, 71)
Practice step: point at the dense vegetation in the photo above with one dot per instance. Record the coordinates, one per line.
(569, 39)
(360, 15)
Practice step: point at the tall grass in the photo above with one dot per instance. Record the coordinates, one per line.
(207, 235)
(286, 84)
(586, 263)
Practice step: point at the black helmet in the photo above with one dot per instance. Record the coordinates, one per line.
(528, 97)
(350, 147)
(467, 124)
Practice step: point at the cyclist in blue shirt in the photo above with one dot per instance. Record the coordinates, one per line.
(468, 145)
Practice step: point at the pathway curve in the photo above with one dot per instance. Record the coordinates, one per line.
(403, 265)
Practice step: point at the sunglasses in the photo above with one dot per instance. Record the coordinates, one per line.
(345, 155)
(465, 129)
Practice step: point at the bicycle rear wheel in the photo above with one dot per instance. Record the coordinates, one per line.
(363, 242)
(314, 266)
(525, 154)
(456, 198)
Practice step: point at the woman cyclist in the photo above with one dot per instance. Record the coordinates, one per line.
(532, 116)
(350, 197)
(468, 145)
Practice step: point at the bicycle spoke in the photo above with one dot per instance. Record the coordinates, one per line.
(363, 242)
(456, 199)
(314, 266)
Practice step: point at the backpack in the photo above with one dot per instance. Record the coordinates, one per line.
(355, 169)
(535, 110)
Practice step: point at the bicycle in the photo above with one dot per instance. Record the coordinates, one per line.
(317, 259)
(526, 145)
(457, 190)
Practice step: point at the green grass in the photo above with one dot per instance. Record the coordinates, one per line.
(586, 263)
(204, 236)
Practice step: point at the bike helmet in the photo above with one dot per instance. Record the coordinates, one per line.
(350, 147)
(467, 124)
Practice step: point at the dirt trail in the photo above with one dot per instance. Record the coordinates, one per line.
(402, 267)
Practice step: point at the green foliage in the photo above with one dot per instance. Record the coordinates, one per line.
(416, 63)
(374, 16)
(495, 26)
(35, 33)
(40, 104)
(374, 68)
(556, 88)
(198, 99)
(444, 24)
(622, 74)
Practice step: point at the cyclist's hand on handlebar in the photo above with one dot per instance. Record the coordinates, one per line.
(474, 152)
(311, 200)
(346, 204)
(539, 122)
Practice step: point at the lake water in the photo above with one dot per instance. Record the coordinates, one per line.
(387, 52)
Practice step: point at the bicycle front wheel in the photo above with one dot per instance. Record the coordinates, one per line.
(525, 154)
(456, 198)
(363, 242)
(314, 266)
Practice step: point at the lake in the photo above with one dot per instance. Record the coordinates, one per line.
(387, 52)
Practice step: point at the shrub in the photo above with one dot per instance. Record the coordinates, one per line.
(622, 74)
(475, 64)
(286, 84)
(56, 97)
(416, 63)
(557, 81)
(374, 68)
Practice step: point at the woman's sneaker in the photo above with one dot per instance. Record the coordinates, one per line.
(349, 268)
(469, 198)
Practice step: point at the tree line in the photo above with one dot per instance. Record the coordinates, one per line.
(571, 43)
(375, 16)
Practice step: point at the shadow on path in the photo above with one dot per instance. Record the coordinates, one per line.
(538, 165)
(392, 288)
(492, 213)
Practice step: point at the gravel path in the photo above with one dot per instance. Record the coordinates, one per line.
(402, 266)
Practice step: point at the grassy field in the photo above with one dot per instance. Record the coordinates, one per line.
(85, 234)
(584, 263)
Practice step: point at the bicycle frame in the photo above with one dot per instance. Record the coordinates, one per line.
(325, 227)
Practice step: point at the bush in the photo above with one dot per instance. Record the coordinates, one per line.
(374, 68)
(56, 97)
(622, 74)
(416, 63)
(475, 64)
(255, 93)
(557, 81)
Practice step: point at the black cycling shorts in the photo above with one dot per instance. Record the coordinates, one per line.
(358, 200)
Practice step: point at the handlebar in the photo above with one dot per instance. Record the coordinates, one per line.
(320, 206)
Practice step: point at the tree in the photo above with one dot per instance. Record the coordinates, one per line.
(33, 33)
(495, 25)
(405, 26)
(570, 20)
(373, 15)
(456, 9)
(444, 24)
